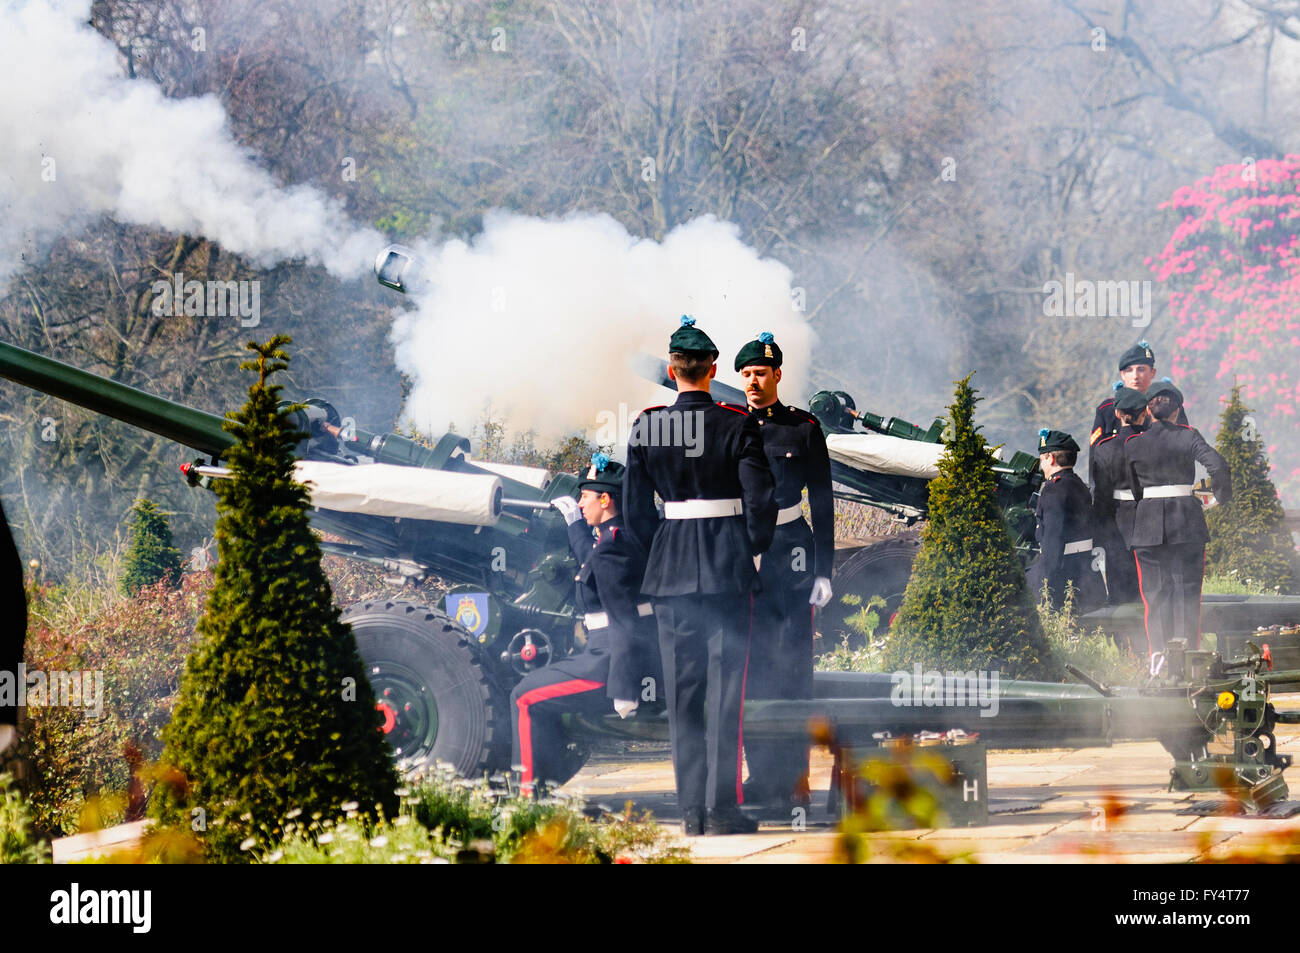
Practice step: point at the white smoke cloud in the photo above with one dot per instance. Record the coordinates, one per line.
(79, 139)
(537, 319)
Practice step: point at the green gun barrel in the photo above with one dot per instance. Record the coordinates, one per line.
(186, 425)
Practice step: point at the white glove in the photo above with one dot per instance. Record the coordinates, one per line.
(821, 592)
(624, 707)
(758, 562)
(8, 735)
(568, 508)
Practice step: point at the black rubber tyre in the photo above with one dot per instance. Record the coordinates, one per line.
(440, 699)
(880, 568)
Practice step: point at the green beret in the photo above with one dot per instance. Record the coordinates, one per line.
(1129, 400)
(690, 339)
(1049, 440)
(762, 352)
(1139, 353)
(603, 476)
(1165, 388)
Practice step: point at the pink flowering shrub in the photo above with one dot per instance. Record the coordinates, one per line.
(1233, 271)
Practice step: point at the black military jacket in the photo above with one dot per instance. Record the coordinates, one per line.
(724, 459)
(796, 452)
(1065, 515)
(13, 613)
(1106, 424)
(1107, 472)
(610, 581)
(1165, 454)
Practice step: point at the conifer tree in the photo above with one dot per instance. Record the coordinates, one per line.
(275, 711)
(1249, 535)
(967, 605)
(151, 557)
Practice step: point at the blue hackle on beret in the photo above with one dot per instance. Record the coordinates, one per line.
(600, 461)
(1116, 386)
(1043, 432)
(766, 337)
(688, 321)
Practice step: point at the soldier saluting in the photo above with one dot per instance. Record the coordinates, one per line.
(706, 462)
(1169, 531)
(1065, 527)
(1137, 369)
(1112, 495)
(795, 573)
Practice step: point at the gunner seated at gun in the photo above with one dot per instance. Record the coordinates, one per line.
(622, 637)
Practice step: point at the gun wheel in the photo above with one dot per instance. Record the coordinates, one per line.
(880, 568)
(438, 697)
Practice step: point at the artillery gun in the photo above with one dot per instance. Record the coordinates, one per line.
(442, 674)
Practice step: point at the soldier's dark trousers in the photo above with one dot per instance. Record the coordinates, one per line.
(1169, 577)
(704, 641)
(780, 667)
(1121, 571)
(537, 707)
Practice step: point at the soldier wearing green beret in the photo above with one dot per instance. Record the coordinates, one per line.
(719, 515)
(1137, 369)
(795, 573)
(1066, 527)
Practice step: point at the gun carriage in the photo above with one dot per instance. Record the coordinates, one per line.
(442, 674)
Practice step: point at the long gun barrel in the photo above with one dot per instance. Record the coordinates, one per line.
(186, 425)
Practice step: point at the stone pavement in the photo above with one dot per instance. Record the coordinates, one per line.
(1092, 805)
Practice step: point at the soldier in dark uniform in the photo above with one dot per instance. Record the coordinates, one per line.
(1066, 527)
(1137, 369)
(1169, 531)
(1112, 496)
(795, 574)
(706, 462)
(622, 647)
(13, 627)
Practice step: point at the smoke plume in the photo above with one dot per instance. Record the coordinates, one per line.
(537, 320)
(79, 139)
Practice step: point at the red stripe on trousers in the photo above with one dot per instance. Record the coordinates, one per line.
(1146, 609)
(545, 693)
(740, 729)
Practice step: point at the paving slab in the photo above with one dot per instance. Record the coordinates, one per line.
(1013, 775)
(733, 847)
(1143, 821)
(1128, 843)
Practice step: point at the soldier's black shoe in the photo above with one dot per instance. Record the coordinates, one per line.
(729, 820)
(693, 822)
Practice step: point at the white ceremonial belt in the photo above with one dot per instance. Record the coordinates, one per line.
(1078, 546)
(600, 620)
(1122, 495)
(789, 514)
(1163, 492)
(701, 509)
